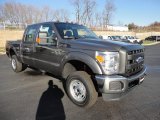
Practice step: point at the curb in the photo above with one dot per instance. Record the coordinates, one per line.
(151, 44)
(2, 53)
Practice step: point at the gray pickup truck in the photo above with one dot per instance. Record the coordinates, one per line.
(88, 65)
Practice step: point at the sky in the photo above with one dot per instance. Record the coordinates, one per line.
(140, 12)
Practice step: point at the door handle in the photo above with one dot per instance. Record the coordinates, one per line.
(27, 49)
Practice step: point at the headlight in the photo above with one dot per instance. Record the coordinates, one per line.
(109, 61)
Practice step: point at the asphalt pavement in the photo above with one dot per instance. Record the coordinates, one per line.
(31, 95)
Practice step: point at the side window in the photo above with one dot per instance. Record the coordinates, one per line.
(46, 34)
(30, 34)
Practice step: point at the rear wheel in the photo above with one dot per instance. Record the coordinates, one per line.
(80, 89)
(16, 65)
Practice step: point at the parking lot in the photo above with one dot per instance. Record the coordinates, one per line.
(27, 96)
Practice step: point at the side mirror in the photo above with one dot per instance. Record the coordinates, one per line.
(54, 37)
(29, 36)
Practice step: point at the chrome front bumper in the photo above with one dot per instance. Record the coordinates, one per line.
(122, 84)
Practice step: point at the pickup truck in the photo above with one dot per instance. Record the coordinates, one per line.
(88, 65)
(133, 39)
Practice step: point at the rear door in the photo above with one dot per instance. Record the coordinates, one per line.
(27, 48)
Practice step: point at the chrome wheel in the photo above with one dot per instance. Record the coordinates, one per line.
(78, 90)
(14, 64)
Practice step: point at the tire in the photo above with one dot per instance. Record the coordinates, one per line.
(16, 65)
(80, 89)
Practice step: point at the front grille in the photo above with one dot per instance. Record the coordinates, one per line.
(135, 62)
(135, 51)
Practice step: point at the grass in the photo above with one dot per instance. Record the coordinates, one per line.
(2, 49)
(146, 42)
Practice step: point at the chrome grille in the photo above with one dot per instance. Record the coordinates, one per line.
(135, 62)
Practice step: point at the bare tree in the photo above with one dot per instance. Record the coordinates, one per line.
(2, 18)
(84, 11)
(20, 12)
(98, 19)
(47, 14)
(8, 12)
(78, 6)
(89, 6)
(61, 15)
(12, 12)
(108, 11)
(66, 15)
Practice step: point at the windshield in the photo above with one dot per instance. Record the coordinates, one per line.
(74, 31)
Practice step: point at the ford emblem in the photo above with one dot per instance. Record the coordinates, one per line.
(139, 59)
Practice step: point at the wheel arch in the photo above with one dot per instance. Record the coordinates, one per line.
(12, 52)
(81, 62)
(77, 59)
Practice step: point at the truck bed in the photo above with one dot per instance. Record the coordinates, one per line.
(10, 44)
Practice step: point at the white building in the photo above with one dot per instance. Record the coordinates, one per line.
(117, 28)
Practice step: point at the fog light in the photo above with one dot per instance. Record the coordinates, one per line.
(115, 85)
(141, 80)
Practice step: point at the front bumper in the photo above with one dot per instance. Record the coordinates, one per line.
(116, 86)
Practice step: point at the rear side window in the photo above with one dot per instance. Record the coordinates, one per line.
(30, 34)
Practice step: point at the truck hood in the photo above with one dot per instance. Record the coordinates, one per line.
(102, 45)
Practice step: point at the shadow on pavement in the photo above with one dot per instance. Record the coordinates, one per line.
(50, 105)
(33, 72)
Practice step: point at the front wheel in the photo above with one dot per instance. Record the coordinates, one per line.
(16, 65)
(80, 89)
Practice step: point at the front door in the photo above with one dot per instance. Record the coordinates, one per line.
(27, 48)
(47, 50)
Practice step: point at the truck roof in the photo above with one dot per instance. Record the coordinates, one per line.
(52, 22)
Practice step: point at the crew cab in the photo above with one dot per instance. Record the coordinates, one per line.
(87, 64)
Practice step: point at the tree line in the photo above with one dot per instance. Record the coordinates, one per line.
(155, 26)
(20, 13)
(85, 12)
